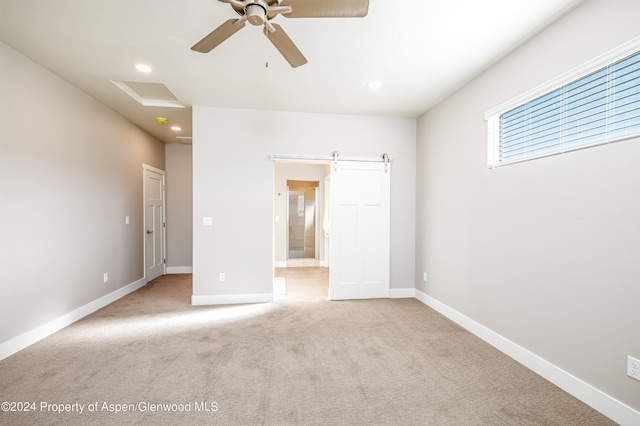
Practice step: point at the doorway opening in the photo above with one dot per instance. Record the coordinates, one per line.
(299, 211)
(301, 257)
(302, 219)
(355, 218)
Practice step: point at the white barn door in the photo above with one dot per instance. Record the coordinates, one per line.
(359, 237)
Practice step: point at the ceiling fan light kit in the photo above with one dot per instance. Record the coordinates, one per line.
(256, 14)
(261, 12)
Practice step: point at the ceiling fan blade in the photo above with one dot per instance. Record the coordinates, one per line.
(326, 8)
(219, 35)
(285, 46)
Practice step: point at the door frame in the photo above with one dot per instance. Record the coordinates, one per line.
(332, 161)
(163, 242)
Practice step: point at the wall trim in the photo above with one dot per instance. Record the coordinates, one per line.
(30, 337)
(402, 293)
(230, 299)
(179, 269)
(595, 398)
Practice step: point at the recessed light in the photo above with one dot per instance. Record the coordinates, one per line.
(176, 128)
(375, 84)
(143, 68)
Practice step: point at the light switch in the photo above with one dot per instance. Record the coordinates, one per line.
(277, 218)
(207, 221)
(126, 220)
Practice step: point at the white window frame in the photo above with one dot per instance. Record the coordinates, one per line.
(493, 115)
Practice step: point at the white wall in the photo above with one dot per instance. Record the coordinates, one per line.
(231, 160)
(179, 208)
(70, 171)
(545, 253)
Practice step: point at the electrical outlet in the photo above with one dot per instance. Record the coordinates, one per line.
(105, 277)
(633, 367)
(222, 277)
(424, 277)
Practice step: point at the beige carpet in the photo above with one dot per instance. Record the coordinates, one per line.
(381, 362)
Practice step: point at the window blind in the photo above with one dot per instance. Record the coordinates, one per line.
(601, 106)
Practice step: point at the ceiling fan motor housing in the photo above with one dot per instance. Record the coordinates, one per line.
(256, 14)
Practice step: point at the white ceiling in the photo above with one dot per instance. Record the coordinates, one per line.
(421, 50)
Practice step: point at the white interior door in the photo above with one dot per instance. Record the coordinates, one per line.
(360, 225)
(154, 223)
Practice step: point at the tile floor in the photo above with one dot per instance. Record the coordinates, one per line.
(304, 284)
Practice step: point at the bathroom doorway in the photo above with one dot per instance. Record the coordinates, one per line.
(302, 219)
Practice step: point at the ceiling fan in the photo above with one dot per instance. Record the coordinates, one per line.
(261, 12)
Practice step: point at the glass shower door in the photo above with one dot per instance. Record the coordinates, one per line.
(302, 221)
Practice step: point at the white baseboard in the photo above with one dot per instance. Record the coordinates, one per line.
(231, 299)
(402, 293)
(595, 398)
(179, 269)
(20, 342)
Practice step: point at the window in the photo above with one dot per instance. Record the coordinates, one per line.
(601, 106)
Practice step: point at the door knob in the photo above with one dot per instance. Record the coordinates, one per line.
(149, 232)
